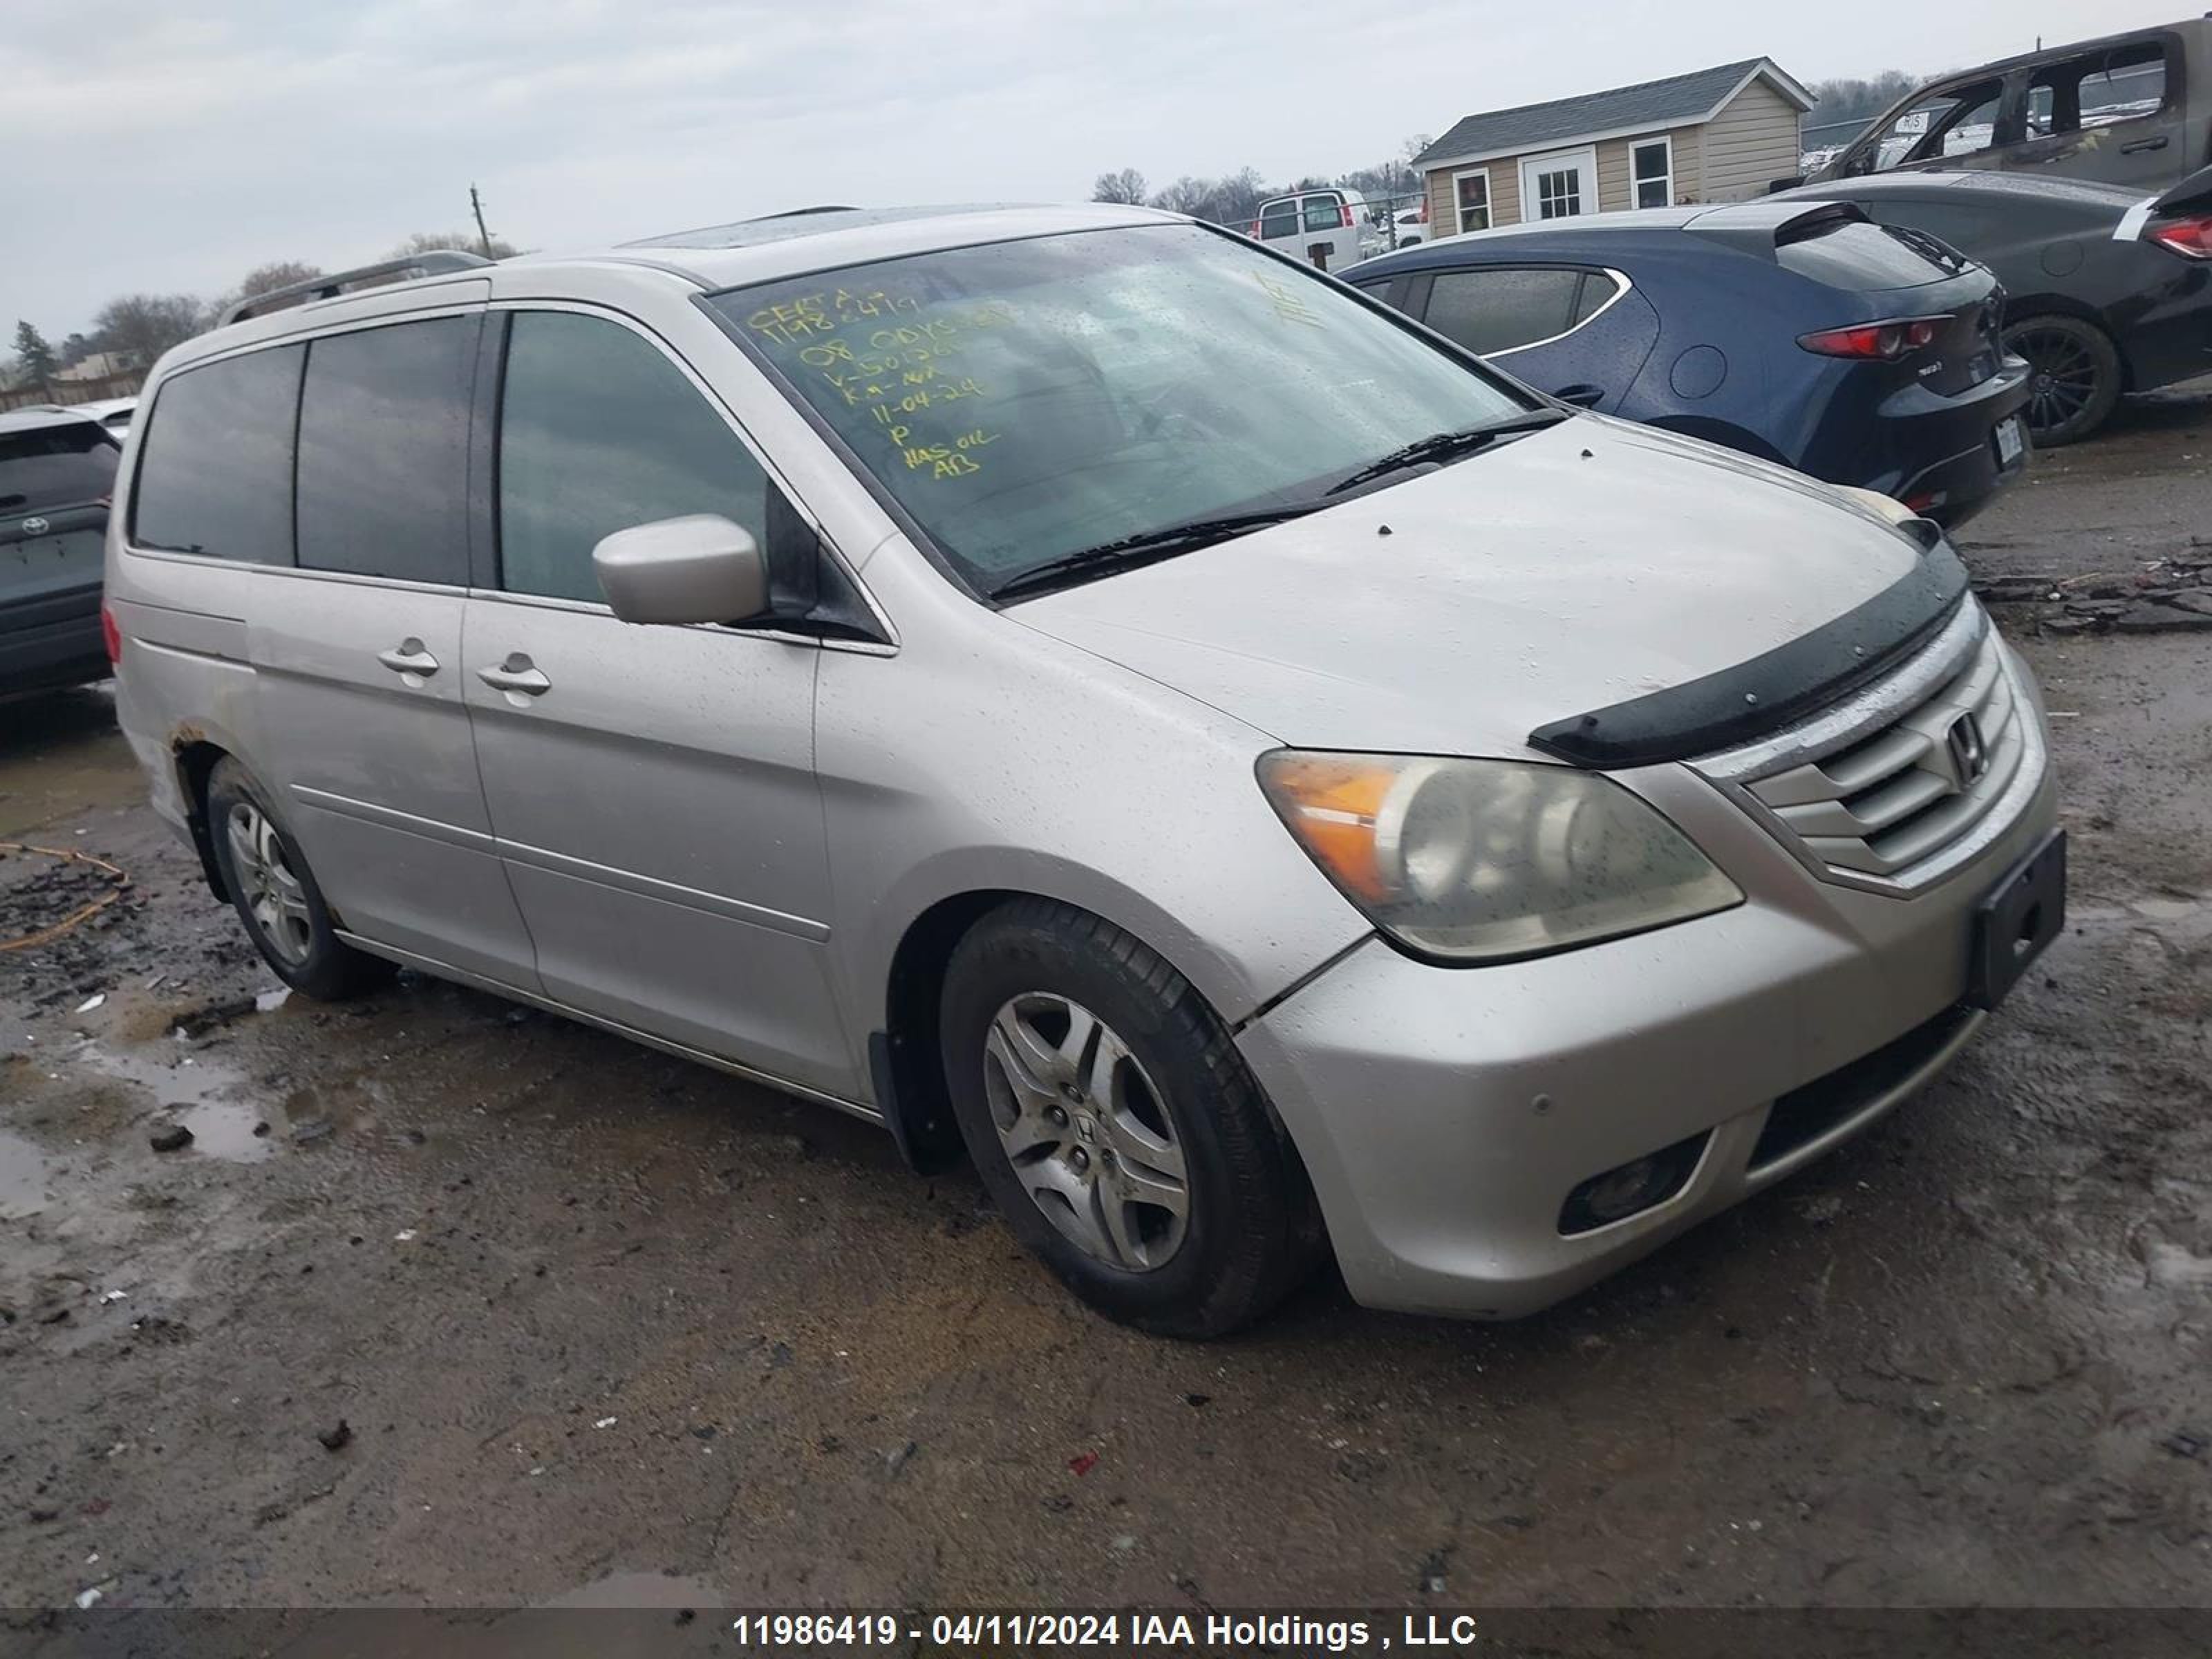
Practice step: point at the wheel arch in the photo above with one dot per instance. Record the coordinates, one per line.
(2028, 307)
(195, 757)
(905, 1066)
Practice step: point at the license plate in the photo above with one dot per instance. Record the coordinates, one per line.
(2015, 919)
(2011, 443)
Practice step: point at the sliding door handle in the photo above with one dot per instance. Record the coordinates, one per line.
(409, 656)
(516, 675)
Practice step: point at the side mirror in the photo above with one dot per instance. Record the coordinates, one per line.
(703, 568)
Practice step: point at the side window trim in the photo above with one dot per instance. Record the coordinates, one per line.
(1589, 274)
(491, 391)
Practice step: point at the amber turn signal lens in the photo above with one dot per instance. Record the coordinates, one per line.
(1331, 803)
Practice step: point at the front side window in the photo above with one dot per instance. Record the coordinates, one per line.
(70, 463)
(384, 445)
(1023, 401)
(214, 468)
(598, 432)
(1472, 192)
(1496, 310)
(1651, 170)
(1955, 121)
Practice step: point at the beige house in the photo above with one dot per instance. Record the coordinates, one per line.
(1716, 134)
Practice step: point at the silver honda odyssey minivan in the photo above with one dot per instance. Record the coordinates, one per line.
(1091, 694)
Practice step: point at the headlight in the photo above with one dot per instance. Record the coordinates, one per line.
(1480, 860)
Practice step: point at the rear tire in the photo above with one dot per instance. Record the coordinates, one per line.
(276, 895)
(1117, 1127)
(2074, 378)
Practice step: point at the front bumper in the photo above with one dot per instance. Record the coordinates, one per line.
(1445, 1114)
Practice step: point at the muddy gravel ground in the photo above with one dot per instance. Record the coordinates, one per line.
(450, 1303)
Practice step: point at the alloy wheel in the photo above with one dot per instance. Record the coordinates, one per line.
(275, 895)
(1085, 1133)
(2061, 378)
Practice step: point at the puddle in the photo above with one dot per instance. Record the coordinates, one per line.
(24, 1172)
(209, 1097)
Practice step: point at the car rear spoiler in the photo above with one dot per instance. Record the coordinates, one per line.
(2193, 195)
(1761, 226)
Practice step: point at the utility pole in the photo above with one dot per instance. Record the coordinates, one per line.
(476, 206)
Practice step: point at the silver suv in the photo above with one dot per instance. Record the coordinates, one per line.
(1076, 686)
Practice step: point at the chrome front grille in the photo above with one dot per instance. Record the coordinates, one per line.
(1902, 783)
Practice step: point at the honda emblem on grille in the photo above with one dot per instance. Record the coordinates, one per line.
(1969, 757)
(34, 526)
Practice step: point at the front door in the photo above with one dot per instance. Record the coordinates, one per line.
(1560, 185)
(652, 788)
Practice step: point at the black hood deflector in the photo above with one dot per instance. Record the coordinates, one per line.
(1739, 704)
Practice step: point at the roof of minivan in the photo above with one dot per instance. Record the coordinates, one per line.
(791, 244)
(712, 257)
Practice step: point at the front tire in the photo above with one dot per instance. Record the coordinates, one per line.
(276, 895)
(2074, 376)
(1117, 1127)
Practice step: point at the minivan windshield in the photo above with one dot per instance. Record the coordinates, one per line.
(1029, 401)
(69, 464)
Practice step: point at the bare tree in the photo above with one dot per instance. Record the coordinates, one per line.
(1126, 186)
(141, 326)
(432, 241)
(279, 273)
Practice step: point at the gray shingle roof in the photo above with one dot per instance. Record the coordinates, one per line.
(1677, 100)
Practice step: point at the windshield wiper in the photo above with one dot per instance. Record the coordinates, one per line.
(1145, 547)
(1441, 446)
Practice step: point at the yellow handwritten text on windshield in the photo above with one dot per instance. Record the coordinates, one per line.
(898, 358)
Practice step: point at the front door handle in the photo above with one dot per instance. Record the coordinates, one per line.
(516, 676)
(2142, 144)
(410, 659)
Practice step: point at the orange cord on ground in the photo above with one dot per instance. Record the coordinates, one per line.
(78, 917)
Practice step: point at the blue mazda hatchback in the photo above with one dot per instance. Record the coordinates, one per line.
(1798, 331)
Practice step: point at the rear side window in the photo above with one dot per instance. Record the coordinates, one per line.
(215, 470)
(1488, 311)
(1850, 253)
(384, 430)
(599, 432)
(67, 464)
(2096, 89)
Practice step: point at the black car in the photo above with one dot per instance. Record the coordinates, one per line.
(2107, 290)
(1800, 331)
(57, 469)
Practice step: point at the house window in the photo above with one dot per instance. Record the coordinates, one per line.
(1471, 194)
(1651, 168)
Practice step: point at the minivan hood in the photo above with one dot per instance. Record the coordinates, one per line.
(1581, 566)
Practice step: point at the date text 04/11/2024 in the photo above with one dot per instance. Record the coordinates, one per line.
(1169, 1632)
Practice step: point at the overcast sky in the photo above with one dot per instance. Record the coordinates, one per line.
(167, 145)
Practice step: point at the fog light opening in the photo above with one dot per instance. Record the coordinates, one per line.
(1632, 1188)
